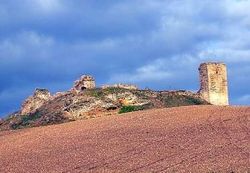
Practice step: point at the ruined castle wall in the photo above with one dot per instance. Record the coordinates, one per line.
(124, 86)
(89, 84)
(214, 85)
(204, 82)
(85, 82)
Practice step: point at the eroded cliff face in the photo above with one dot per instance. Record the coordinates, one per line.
(32, 103)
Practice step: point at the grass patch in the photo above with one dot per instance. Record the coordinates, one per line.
(97, 93)
(25, 121)
(194, 101)
(114, 90)
(101, 93)
(126, 109)
(175, 100)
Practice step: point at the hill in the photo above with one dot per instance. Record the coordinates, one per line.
(42, 108)
(182, 139)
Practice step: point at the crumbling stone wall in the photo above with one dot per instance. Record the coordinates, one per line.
(214, 84)
(85, 82)
(120, 85)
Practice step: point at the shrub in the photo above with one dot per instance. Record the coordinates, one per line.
(24, 121)
(194, 101)
(175, 100)
(100, 93)
(97, 93)
(130, 108)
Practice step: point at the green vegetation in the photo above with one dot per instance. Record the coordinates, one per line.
(112, 99)
(25, 120)
(175, 100)
(194, 101)
(100, 93)
(126, 109)
(97, 93)
(114, 90)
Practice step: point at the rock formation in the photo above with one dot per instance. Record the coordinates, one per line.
(32, 103)
(214, 85)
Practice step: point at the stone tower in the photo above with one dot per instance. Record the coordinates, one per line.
(213, 81)
(85, 82)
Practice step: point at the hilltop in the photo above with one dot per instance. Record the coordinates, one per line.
(42, 108)
(85, 100)
(182, 139)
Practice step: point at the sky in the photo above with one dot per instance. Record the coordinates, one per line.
(151, 43)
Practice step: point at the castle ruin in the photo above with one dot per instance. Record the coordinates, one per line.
(85, 82)
(214, 85)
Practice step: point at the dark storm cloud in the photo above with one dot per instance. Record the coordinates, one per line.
(75, 20)
(153, 43)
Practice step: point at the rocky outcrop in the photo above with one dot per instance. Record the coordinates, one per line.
(32, 103)
(43, 109)
(84, 101)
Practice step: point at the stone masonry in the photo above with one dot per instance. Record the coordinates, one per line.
(85, 82)
(119, 85)
(214, 85)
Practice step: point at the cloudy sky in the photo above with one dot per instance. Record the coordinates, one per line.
(152, 43)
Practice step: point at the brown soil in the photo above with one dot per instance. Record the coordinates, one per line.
(184, 139)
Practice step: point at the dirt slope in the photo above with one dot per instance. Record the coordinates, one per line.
(183, 139)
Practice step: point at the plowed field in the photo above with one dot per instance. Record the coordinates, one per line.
(183, 139)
